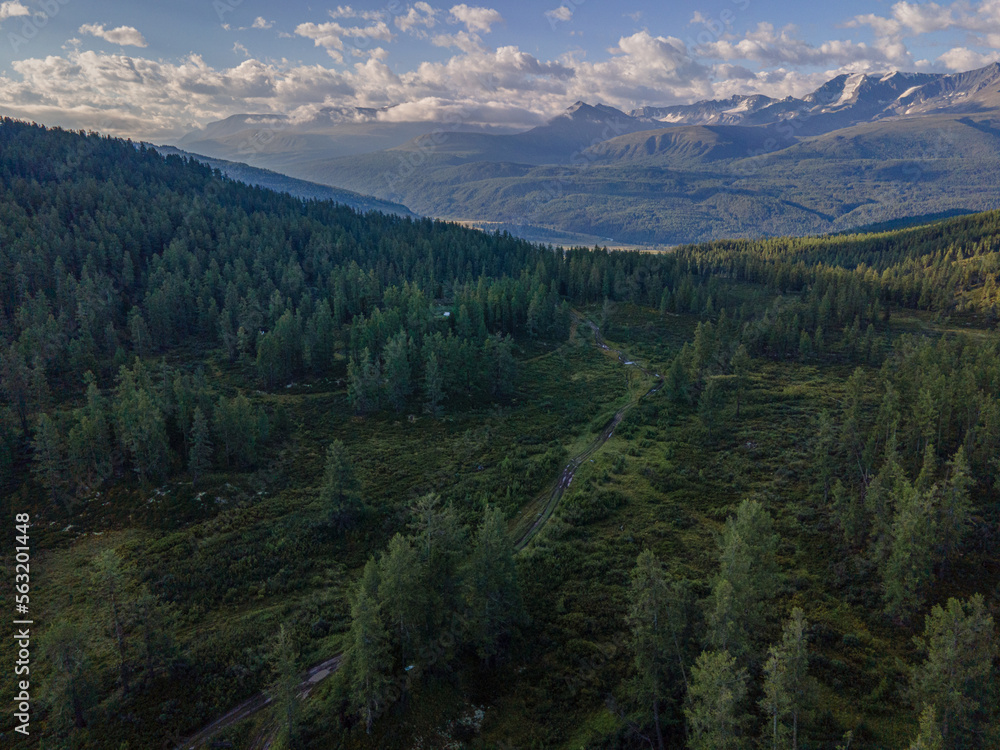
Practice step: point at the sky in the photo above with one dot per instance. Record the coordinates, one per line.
(157, 70)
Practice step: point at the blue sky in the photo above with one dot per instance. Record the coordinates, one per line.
(156, 70)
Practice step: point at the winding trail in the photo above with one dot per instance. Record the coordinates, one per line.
(310, 679)
(524, 527)
(537, 513)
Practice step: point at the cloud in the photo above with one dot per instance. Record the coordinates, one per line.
(476, 19)
(418, 15)
(160, 101)
(462, 40)
(770, 47)
(913, 19)
(642, 69)
(261, 23)
(331, 35)
(452, 113)
(962, 58)
(123, 35)
(12, 9)
(562, 13)
(346, 11)
(239, 49)
(146, 98)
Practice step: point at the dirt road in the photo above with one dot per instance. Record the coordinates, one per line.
(524, 529)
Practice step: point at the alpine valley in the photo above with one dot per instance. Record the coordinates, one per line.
(860, 150)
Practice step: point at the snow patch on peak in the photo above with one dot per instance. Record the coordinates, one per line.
(851, 86)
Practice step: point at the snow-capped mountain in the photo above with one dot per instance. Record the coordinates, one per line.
(847, 99)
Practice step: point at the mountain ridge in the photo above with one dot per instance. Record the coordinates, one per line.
(860, 149)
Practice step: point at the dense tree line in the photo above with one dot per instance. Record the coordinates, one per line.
(740, 692)
(110, 251)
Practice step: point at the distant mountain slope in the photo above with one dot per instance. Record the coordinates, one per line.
(687, 184)
(687, 145)
(559, 140)
(860, 149)
(284, 184)
(276, 141)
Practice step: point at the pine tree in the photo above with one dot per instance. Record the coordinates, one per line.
(710, 406)
(786, 679)
(139, 332)
(200, 452)
(958, 676)
(363, 383)
(270, 363)
(89, 441)
(502, 368)
(678, 384)
(928, 470)
(824, 465)
(397, 370)
(283, 689)
(911, 552)
(340, 491)
(714, 709)
(929, 736)
(139, 423)
(238, 428)
(70, 690)
(881, 500)
(652, 635)
(49, 457)
(369, 652)
(15, 382)
(113, 597)
(493, 592)
(954, 508)
(443, 544)
(745, 581)
(324, 338)
(740, 364)
(155, 622)
(433, 386)
(401, 590)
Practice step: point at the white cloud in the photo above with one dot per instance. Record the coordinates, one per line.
(962, 58)
(417, 15)
(12, 9)
(912, 19)
(476, 19)
(239, 49)
(331, 35)
(562, 13)
(160, 100)
(123, 35)
(346, 11)
(462, 40)
(451, 113)
(770, 47)
(151, 99)
(261, 23)
(642, 69)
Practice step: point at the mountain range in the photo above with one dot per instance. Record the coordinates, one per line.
(860, 149)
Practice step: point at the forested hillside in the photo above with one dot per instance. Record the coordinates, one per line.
(257, 434)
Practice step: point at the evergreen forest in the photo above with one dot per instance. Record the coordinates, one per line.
(388, 482)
